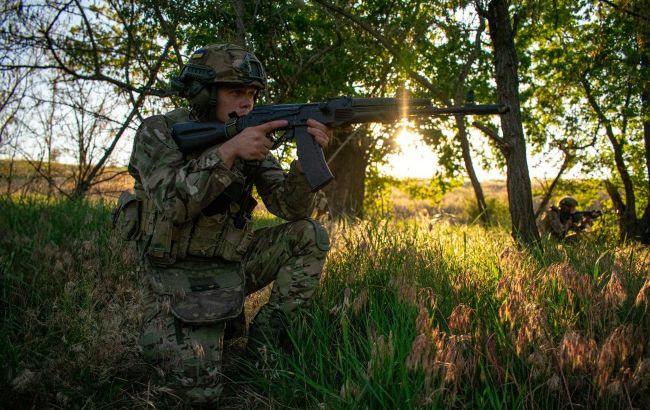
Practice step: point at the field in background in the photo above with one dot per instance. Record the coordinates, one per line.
(24, 179)
(458, 205)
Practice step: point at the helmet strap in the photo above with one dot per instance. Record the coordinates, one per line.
(212, 102)
(211, 115)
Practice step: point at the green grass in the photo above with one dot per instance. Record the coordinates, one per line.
(409, 315)
(69, 298)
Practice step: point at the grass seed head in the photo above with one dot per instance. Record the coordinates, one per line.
(421, 349)
(406, 292)
(349, 390)
(641, 376)
(459, 320)
(360, 301)
(643, 297)
(624, 344)
(24, 381)
(554, 383)
(614, 293)
(423, 321)
(577, 353)
(382, 353)
(540, 365)
(580, 285)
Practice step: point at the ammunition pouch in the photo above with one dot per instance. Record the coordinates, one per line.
(201, 291)
(216, 236)
(162, 250)
(206, 236)
(126, 216)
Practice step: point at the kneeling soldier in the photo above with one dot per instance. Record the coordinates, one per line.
(191, 217)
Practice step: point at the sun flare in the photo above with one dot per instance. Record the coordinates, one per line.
(414, 158)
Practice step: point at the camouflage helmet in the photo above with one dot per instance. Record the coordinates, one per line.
(216, 64)
(568, 202)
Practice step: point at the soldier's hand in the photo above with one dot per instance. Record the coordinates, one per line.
(321, 132)
(251, 144)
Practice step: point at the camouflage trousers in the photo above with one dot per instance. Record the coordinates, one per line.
(190, 355)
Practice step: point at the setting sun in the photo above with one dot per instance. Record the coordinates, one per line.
(414, 159)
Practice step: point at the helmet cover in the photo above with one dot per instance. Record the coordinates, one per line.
(224, 64)
(568, 202)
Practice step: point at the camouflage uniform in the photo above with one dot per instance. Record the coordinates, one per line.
(200, 264)
(557, 222)
(321, 206)
(552, 224)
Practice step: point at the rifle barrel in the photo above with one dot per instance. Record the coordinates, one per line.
(464, 110)
(382, 102)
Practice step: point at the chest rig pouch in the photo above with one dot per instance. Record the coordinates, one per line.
(222, 230)
(126, 216)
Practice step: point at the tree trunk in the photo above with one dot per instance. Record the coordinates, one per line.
(549, 192)
(628, 223)
(345, 194)
(643, 39)
(238, 5)
(469, 167)
(520, 199)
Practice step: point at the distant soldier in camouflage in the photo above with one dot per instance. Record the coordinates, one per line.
(193, 225)
(559, 221)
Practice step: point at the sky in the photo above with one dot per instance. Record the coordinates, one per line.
(417, 160)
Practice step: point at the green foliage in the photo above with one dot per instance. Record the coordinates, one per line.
(377, 200)
(433, 189)
(497, 212)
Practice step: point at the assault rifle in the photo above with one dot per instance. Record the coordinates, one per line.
(579, 215)
(335, 112)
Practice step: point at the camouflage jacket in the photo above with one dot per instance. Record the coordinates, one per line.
(176, 188)
(552, 223)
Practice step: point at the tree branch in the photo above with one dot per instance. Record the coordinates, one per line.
(501, 143)
(437, 93)
(549, 192)
(625, 10)
(134, 110)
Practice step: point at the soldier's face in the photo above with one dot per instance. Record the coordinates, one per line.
(239, 99)
(568, 209)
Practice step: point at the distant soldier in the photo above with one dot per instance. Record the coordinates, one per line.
(558, 221)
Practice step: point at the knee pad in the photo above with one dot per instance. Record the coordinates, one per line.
(311, 231)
